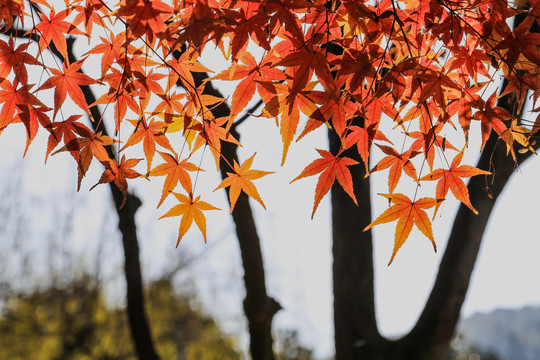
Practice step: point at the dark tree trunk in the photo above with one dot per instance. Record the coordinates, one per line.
(259, 308)
(138, 321)
(355, 326)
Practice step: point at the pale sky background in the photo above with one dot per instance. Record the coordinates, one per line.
(296, 249)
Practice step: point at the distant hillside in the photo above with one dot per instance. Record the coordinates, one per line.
(508, 334)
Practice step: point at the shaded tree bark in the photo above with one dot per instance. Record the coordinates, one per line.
(138, 321)
(355, 325)
(355, 330)
(259, 308)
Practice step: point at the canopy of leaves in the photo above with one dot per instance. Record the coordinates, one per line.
(422, 67)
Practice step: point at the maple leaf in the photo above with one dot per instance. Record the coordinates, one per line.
(121, 94)
(147, 84)
(182, 69)
(119, 174)
(491, 117)
(519, 134)
(12, 98)
(15, 59)
(68, 82)
(246, 22)
(332, 168)
(66, 130)
(254, 76)
(408, 213)
(111, 49)
(430, 140)
(363, 138)
(241, 180)
(437, 85)
(170, 106)
(31, 117)
(190, 210)
(176, 172)
(451, 179)
(150, 134)
(307, 58)
(212, 133)
(145, 17)
(9, 9)
(88, 146)
(285, 12)
(89, 14)
(54, 28)
(397, 163)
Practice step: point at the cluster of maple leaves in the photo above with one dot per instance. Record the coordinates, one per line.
(424, 66)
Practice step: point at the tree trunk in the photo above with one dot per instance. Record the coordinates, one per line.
(259, 308)
(431, 335)
(355, 326)
(138, 321)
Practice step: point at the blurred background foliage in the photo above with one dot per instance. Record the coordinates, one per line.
(73, 322)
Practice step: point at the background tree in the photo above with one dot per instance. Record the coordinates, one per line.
(419, 65)
(72, 321)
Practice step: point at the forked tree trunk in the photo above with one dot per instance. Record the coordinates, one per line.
(430, 337)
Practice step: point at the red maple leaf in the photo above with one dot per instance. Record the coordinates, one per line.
(88, 146)
(145, 17)
(451, 179)
(66, 130)
(54, 29)
(212, 132)
(15, 59)
(119, 174)
(68, 82)
(332, 168)
(491, 117)
(397, 163)
(13, 98)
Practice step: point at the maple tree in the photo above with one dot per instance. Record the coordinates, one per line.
(401, 79)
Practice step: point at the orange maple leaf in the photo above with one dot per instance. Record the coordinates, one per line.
(11, 9)
(491, 117)
(332, 168)
(145, 17)
(150, 134)
(68, 82)
(63, 130)
(190, 210)
(254, 75)
(111, 49)
(54, 28)
(397, 163)
(13, 99)
(88, 146)
(31, 117)
(408, 213)
(176, 172)
(212, 133)
(15, 59)
(451, 179)
(241, 180)
(118, 174)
